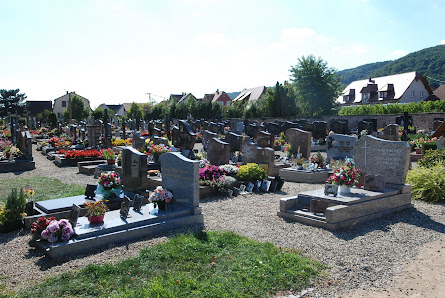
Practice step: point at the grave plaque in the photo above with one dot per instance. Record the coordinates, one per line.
(273, 186)
(331, 189)
(374, 183)
(134, 167)
(265, 139)
(137, 202)
(125, 207)
(74, 215)
(300, 141)
(89, 191)
(138, 141)
(339, 126)
(340, 146)
(180, 175)
(390, 132)
(391, 159)
(265, 186)
(249, 187)
(319, 129)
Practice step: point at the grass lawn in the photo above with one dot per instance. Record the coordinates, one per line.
(203, 264)
(45, 188)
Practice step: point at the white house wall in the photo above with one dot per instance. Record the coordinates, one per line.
(417, 86)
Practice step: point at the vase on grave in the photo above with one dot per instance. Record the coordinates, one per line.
(94, 220)
(161, 205)
(344, 189)
(111, 161)
(418, 150)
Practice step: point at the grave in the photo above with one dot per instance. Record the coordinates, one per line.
(300, 141)
(23, 162)
(441, 143)
(138, 141)
(302, 176)
(365, 125)
(234, 140)
(386, 160)
(390, 132)
(180, 176)
(252, 153)
(207, 135)
(319, 129)
(218, 152)
(265, 139)
(340, 146)
(183, 136)
(339, 126)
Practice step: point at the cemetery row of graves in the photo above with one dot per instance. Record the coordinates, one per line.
(152, 175)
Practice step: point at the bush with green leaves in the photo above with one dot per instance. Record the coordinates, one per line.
(431, 158)
(395, 108)
(14, 208)
(251, 172)
(428, 183)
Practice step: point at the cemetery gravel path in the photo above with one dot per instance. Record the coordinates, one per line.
(394, 256)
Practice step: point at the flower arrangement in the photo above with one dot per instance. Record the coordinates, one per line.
(110, 180)
(80, 153)
(42, 222)
(28, 192)
(58, 230)
(11, 150)
(345, 174)
(158, 149)
(121, 142)
(4, 144)
(210, 172)
(251, 172)
(108, 154)
(62, 143)
(203, 162)
(221, 183)
(160, 195)
(230, 170)
(53, 141)
(199, 136)
(288, 149)
(96, 209)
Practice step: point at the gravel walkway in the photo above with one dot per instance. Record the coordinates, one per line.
(368, 255)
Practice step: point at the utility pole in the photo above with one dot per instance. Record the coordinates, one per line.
(69, 107)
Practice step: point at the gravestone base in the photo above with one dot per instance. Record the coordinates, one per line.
(302, 176)
(316, 148)
(344, 211)
(138, 225)
(276, 168)
(17, 166)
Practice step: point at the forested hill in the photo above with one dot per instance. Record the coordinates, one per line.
(429, 62)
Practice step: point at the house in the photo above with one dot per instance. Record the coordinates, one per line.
(220, 97)
(61, 103)
(440, 92)
(36, 107)
(185, 97)
(251, 95)
(118, 109)
(399, 88)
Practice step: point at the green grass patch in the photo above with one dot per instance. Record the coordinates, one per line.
(211, 264)
(45, 188)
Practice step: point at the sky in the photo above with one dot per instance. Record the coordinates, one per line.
(111, 51)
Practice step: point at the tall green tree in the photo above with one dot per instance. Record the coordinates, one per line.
(316, 85)
(79, 110)
(135, 112)
(12, 101)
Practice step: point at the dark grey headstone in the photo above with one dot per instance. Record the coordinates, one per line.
(218, 152)
(300, 141)
(340, 146)
(134, 167)
(265, 139)
(180, 175)
(74, 215)
(390, 132)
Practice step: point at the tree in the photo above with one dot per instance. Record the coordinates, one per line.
(78, 109)
(12, 101)
(317, 86)
(135, 112)
(98, 113)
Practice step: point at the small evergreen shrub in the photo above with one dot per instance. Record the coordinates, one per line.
(14, 208)
(429, 146)
(428, 183)
(431, 158)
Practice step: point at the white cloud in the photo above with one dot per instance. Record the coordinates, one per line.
(442, 41)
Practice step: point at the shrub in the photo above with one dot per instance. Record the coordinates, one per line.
(428, 183)
(431, 158)
(251, 172)
(429, 146)
(14, 208)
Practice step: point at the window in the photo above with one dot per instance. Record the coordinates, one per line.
(421, 93)
(413, 93)
(59, 115)
(228, 103)
(345, 98)
(366, 97)
(63, 104)
(383, 94)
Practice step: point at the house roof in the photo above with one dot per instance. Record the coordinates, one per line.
(114, 107)
(127, 106)
(208, 97)
(185, 97)
(72, 94)
(251, 94)
(399, 82)
(440, 92)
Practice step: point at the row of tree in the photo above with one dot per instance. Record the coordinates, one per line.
(311, 91)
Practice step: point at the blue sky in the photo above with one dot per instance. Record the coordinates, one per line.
(113, 51)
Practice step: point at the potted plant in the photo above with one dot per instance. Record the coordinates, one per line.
(12, 214)
(251, 172)
(58, 230)
(109, 184)
(160, 197)
(96, 211)
(11, 151)
(109, 155)
(345, 176)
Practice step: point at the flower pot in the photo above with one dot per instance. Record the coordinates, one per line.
(343, 189)
(96, 219)
(111, 161)
(161, 205)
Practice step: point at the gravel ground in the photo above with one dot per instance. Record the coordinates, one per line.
(368, 255)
